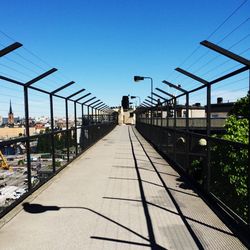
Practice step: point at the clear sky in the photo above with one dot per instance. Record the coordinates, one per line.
(102, 44)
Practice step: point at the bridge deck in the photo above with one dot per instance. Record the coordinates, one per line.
(120, 194)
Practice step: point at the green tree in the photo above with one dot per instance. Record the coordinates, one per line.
(229, 161)
(241, 107)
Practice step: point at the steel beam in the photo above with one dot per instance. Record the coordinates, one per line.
(100, 105)
(151, 101)
(148, 102)
(226, 53)
(62, 87)
(152, 98)
(89, 100)
(222, 78)
(184, 72)
(11, 80)
(160, 96)
(38, 78)
(10, 48)
(97, 104)
(76, 93)
(93, 103)
(83, 97)
(174, 86)
(164, 92)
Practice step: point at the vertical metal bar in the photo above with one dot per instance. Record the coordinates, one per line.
(208, 177)
(52, 133)
(82, 139)
(82, 115)
(157, 116)
(187, 112)
(161, 116)
(187, 132)
(168, 110)
(88, 115)
(92, 114)
(151, 101)
(27, 131)
(174, 128)
(67, 127)
(75, 116)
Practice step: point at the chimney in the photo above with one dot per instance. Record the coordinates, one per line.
(219, 100)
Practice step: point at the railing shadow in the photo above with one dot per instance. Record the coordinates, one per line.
(38, 208)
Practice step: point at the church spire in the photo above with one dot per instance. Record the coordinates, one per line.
(10, 112)
(11, 119)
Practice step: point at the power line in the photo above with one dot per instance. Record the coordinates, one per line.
(212, 33)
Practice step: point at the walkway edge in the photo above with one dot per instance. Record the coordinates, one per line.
(19, 207)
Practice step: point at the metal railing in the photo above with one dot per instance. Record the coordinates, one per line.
(31, 160)
(219, 167)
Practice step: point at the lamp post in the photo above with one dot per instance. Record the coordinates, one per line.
(133, 97)
(141, 78)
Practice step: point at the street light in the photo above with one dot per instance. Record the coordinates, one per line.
(141, 78)
(133, 97)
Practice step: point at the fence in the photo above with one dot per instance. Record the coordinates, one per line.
(30, 159)
(219, 167)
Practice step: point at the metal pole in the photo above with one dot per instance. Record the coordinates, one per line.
(151, 80)
(208, 134)
(52, 133)
(88, 115)
(75, 115)
(175, 128)
(161, 116)
(67, 127)
(82, 114)
(27, 131)
(168, 110)
(92, 114)
(187, 132)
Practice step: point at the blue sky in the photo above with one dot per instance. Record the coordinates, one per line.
(102, 44)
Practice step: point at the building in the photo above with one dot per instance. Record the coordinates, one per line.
(11, 117)
(221, 109)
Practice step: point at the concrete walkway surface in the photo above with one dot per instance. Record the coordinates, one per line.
(119, 194)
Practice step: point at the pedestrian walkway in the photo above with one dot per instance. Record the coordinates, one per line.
(120, 194)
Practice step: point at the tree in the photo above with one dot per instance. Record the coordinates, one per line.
(241, 108)
(229, 160)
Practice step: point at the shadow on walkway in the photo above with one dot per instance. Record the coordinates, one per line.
(38, 208)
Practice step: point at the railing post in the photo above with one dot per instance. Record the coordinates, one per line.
(67, 127)
(174, 99)
(88, 115)
(75, 117)
(52, 133)
(208, 170)
(167, 114)
(187, 132)
(92, 114)
(82, 114)
(161, 116)
(27, 131)
(157, 116)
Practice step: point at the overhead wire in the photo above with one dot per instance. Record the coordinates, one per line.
(211, 34)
